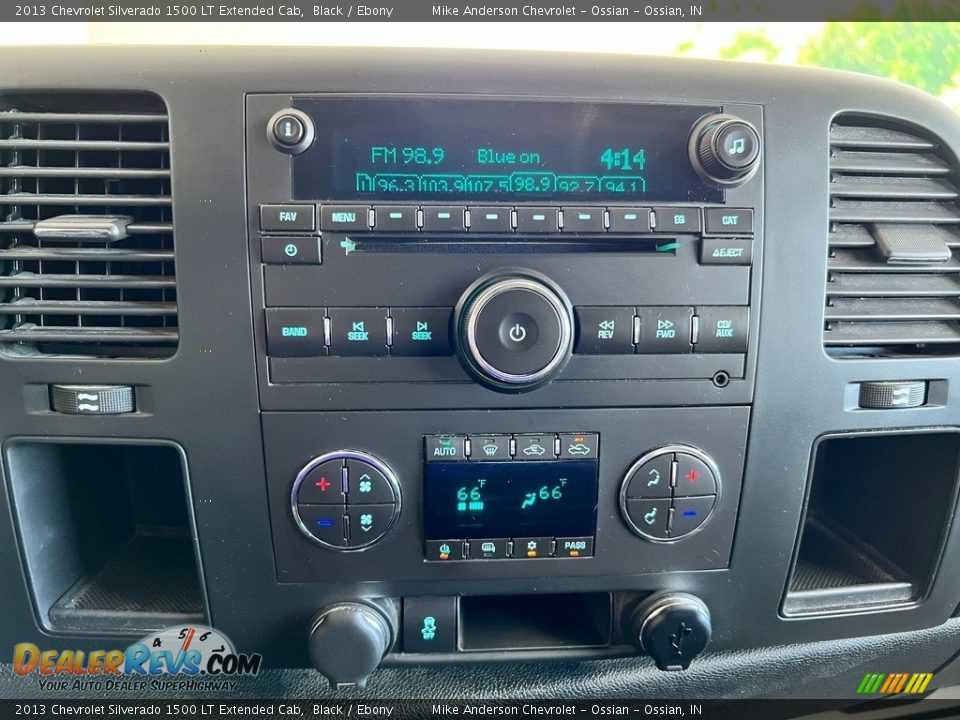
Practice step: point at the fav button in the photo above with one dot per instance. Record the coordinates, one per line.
(287, 217)
(358, 331)
(421, 331)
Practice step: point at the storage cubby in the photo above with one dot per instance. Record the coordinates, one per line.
(106, 534)
(534, 622)
(878, 509)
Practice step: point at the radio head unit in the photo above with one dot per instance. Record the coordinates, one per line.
(572, 249)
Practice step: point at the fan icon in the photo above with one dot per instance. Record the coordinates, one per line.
(366, 486)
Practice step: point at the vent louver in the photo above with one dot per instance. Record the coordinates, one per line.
(893, 277)
(86, 227)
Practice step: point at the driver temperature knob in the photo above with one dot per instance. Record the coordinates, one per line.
(673, 628)
(348, 641)
(514, 330)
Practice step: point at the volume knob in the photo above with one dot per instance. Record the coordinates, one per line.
(725, 149)
(514, 330)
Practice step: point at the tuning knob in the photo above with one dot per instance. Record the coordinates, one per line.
(673, 628)
(725, 149)
(514, 330)
(348, 641)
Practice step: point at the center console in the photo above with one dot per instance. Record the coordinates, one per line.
(514, 277)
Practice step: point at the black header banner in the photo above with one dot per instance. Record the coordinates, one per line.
(480, 11)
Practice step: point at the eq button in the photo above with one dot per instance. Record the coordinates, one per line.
(678, 219)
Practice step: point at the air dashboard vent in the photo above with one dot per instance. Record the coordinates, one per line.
(893, 275)
(86, 227)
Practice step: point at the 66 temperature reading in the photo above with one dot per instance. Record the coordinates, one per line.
(543, 494)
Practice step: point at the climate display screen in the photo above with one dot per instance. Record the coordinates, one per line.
(407, 149)
(510, 499)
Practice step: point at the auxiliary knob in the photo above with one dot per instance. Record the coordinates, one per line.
(725, 149)
(514, 330)
(673, 628)
(348, 641)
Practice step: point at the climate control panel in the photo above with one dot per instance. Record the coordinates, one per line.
(345, 500)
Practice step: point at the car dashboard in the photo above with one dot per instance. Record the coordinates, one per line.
(637, 374)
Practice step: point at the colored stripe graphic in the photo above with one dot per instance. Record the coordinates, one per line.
(894, 683)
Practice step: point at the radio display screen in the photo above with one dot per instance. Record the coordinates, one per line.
(471, 500)
(408, 149)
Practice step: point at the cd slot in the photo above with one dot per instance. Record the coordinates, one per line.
(512, 244)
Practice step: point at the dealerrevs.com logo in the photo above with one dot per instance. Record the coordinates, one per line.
(178, 658)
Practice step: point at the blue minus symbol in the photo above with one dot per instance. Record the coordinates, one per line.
(629, 216)
(584, 216)
(396, 215)
(443, 216)
(539, 218)
(689, 513)
(325, 522)
(492, 216)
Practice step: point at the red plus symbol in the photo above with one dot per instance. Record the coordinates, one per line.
(323, 484)
(693, 476)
